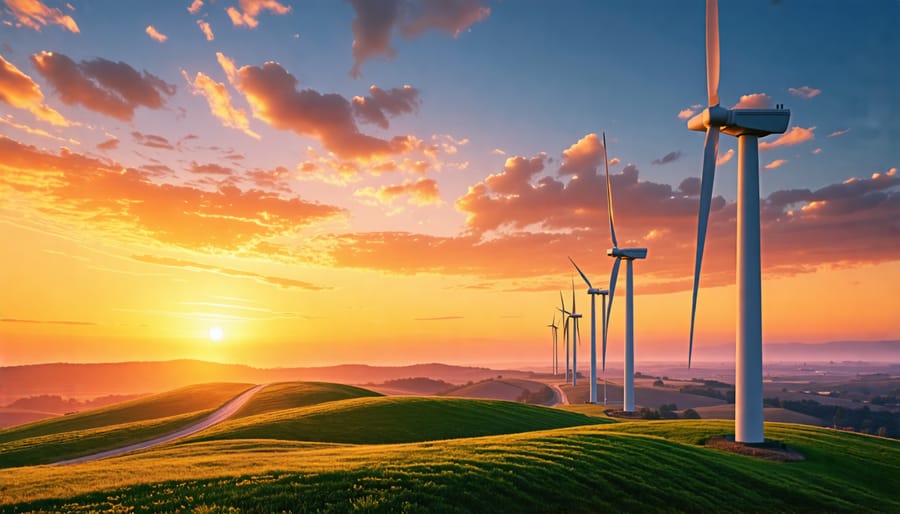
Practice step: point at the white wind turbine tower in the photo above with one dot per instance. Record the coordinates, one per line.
(555, 360)
(629, 255)
(593, 291)
(748, 125)
(574, 315)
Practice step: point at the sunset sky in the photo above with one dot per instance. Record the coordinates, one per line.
(401, 181)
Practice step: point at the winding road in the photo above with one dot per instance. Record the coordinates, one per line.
(562, 399)
(219, 415)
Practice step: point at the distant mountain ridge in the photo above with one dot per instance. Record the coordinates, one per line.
(856, 351)
(91, 380)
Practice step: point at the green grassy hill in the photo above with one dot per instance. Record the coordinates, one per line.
(299, 394)
(380, 420)
(640, 466)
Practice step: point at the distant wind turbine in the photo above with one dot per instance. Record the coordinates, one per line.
(593, 291)
(748, 125)
(575, 339)
(629, 255)
(555, 360)
(565, 318)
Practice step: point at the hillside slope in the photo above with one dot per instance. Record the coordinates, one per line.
(641, 467)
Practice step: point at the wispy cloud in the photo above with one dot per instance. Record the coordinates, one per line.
(155, 34)
(725, 157)
(47, 322)
(794, 136)
(229, 272)
(20, 91)
(669, 157)
(804, 92)
(248, 14)
(688, 113)
(206, 29)
(777, 163)
(837, 133)
(421, 192)
(34, 14)
(219, 100)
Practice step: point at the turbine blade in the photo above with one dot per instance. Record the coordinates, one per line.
(710, 153)
(562, 302)
(712, 51)
(586, 281)
(574, 310)
(609, 202)
(612, 292)
(605, 323)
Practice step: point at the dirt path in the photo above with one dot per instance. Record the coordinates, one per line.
(224, 412)
(562, 399)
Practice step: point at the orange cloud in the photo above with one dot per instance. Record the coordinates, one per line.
(155, 34)
(777, 163)
(421, 192)
(727, 156)
(837, 133)
(794, 136)
(111, 88)
(195, 7)
(686, 114)
(379, 103)
(583, 157)
(754, 101)
(219, 100)
(18, 90)
(229, 272)
(110, 144)
(804, 92)
(152, 141)
(206, 29)
(8, 120)
(274, 98)
(375, 23)
(276, 180)
(34, 14)
(250, 9)
(127, 204)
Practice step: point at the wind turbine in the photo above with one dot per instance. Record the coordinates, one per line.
(566, 315)
(554, 360)
(575, 339)
(593, 291)
(628, 255)
(748, 125)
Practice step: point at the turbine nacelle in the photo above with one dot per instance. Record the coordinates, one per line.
(627, 253)
(737, 122)
(594, 290)
(576, 316)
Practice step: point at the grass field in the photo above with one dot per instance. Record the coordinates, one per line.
(298, 459)
(380, 420)
(76, 435)
(299, 394)
(650, 466)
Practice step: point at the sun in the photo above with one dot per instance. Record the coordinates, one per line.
(216, 334)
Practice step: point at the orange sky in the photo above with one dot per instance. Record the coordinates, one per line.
(152, 188)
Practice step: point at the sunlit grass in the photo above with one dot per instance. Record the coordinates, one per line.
(380, 420)
(299, 394)
(609, 467)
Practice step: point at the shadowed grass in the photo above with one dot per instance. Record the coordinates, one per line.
(299, 394)
(172, 403)
(581, 469)
(380, 420)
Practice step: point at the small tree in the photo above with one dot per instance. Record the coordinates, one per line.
(690, 414)
(658, 383)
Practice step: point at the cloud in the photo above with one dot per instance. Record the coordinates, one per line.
(686, 114)
(20, 91)
(34, 14)
(8, 121)
(127, 204)
(725, 157)
(837, 133)
(794, 136)
(754, 101)
(152, 141)
(206, 29)
(276, 179)
(804, 92)
(155, 34)
(497, 151)
(817, 151)
(195, 7)
(110, 144)
(777, 163)
(250, 9)
(219, 100)
(114, 89)
(669, 157)
(375, 23)
(274, 98)
(210, 169)
(530, 213)
(583, 157)
(229, 272)
(421, 192)
(380, 103)
(47, 322)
